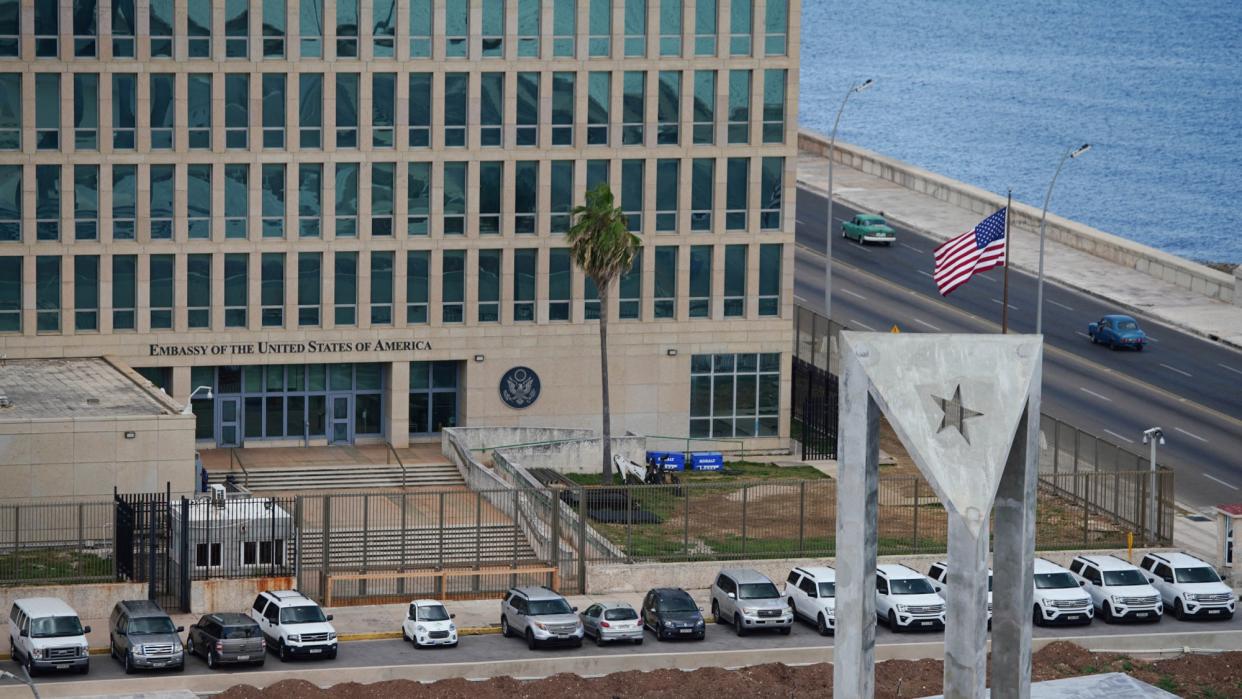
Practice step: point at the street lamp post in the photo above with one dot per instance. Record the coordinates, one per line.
(1152, 436)
(1043, 222)
(23, 678)
(832, 143)
(189, 402)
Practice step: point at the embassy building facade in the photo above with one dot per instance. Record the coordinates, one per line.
(347, 217)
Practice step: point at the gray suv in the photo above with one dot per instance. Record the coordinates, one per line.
(541, 616)
(749, 600)
(142, 636)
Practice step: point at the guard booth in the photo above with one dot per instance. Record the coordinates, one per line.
(1226, 519)
(232, 537)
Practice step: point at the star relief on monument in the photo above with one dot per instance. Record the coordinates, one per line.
(955, 414)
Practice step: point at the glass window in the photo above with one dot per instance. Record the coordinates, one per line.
(273, 110)
(273, 195)
(198, 110)
(11, 294)
(736, 196)
(418, 198)
(198, 291)
(124, 110)
(700, 281)
(562, 199)
(433, 396)
(771, 190)
(633, 107)
(86, 202)
(236, 200)
(236, 28)
(599, 43)
(236, 110)
(563, 108)
(346, 28)
(10, 30)
(163, 17)
(670, 27)
(384, 28)
(456, 106)
(527, 131)
(124, 201)
(560, 284)
(491, 108)
(525, 196)
(491, 183)
(452, 286)
(629, 300)
(345, 296)
(632, 191)
(47, 202)
(528, 23)
(163, 201)
(124, 291)
(47, 32)
(741, 17)
(420, 28)
(420, 110)
(274, 28)
(383, 178)
(417, 273)
(489, 286)
(564, 28)
(347, 110)
(383, 109)
(310, 26)
(310, 268)
(455, 178)
(198, 29)
(47, 111)
(739, 106)
(493, 28)
(667, 179)
(735, 281)
(770, 279)
(774, 106)
(310, 110)
(10, 203)
(310, 200)
(272, 289)
(702, 193)
(775, 27)
(162, 293)
(597, 173)
(86, 293)
(381, 287)
(599, 98)
(346, 211)
(11, 112)
(86, 111)
(457, 30)
(635, 28)
(525, 266)
(705, 27)
(163, 110)
(47, 293)
(734, 395)
(236, 289)
(665, 278)
(123, 24)
(668, 107)
(704, 107)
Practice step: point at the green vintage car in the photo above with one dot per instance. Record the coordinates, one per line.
(868, 228)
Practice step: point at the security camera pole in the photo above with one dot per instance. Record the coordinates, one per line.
(832, 142)
(189, 402)
(1152, 436)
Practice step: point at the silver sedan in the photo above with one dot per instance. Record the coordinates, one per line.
(612, 621)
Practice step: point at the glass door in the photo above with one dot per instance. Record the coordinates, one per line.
(341, 420)
(228, 422)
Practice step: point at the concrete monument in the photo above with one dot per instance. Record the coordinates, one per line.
(966, 407)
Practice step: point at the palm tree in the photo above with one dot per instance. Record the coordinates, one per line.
(603, 246)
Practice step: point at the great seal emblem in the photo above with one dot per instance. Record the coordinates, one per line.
(519, 387)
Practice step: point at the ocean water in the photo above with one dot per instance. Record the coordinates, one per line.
(992, 92)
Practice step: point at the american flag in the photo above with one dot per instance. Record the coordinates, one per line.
(977, 250)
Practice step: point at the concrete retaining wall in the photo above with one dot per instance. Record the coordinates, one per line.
(1161, 265)
(577, 456)
(232, 595)
(93, 601)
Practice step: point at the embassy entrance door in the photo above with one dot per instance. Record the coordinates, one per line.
(228, 412)
(340, 419)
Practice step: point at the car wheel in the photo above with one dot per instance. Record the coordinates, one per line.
(892, 622)
(84, 669)
(127, 665)
(822, 626)
(1107, 612)
(578, 643)
(111, 650)
(716, 613)
(212, 661)
(180, 668)
(405, 636)
(639, 642)
(786, 630)
(1139, 347)
(284, 652)
(599, 638)
(737, 625)
(504, 627)
(531, 643)
(189, 645)
(1037, 618)
(332, 655)
(453, 644)
(1179, 612)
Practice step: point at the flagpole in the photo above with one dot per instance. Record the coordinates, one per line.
(1005, 295)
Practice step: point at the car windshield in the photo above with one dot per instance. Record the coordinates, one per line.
(305, 614)
(1122, 578)
(53, 626)
(235, 632)
(763, 590)
(433, 612)
(620, 614)
(1127, 325)
(1054, 581)
(678, 604)
(827, 589)
(151, 624)
(539, 607)
(912, 586)
(1198, 574)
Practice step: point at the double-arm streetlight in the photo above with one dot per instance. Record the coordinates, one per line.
(1043, 222)
(1152, 436)
(832, 142)
(23, 678)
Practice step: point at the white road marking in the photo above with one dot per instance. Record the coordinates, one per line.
(800, 298)
(1079, 332)
(1059, 305)
(1093, 393)
(1226, 366)
(1227, 485)
(1123, 438)
(800, 222)
(1173, 368)
(924, 323)
(999, 302)
(904, 245)
(862, 325)
(925, 274)
(855, 294)
(1192, 435)
(1152, 339)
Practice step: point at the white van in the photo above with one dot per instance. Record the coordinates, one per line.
(46, 634)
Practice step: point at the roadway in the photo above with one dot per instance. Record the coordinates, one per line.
(1189, 386)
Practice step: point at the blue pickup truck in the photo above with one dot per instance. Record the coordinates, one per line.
(1117, 331)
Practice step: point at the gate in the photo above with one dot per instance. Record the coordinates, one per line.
(814, 410)
(145, 549)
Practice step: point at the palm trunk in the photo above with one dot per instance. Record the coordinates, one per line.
(603, 380)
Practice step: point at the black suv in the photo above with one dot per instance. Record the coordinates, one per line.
(670, 612)
(143, 636)
(225, 639)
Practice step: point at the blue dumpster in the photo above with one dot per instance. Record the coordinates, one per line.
(706, 461)
(671, 460)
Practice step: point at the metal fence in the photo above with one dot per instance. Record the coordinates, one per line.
(56, 542)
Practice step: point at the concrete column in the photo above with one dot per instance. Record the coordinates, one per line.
(966, 630)
(397, 397)
(181, 388)
(857, 490)
(1237, 285)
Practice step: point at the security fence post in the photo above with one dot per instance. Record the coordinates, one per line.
(554, 541)
(745, 493)
(801, 518)
(582, 541)
(915, 518)
(629, 523)
(685, 533)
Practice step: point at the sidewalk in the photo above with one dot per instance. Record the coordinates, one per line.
(1129, 288)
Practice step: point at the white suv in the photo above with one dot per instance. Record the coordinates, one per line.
(812, 593)
(939, 576)
(905, 599)
(292, 624)
(1059, 599)
(428, 623)
(1118, 590)
(45, 634)
(1189, 585)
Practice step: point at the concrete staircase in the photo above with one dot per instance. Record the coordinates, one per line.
(378, 549)
(342, 477)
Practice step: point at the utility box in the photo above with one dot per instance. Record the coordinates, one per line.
(668, 460)
(706, 461)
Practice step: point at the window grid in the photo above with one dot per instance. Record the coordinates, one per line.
(734, 395)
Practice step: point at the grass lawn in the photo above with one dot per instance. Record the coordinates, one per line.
(733, 471)
(54, 565)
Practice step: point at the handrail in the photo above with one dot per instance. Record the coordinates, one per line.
(531, 444)
(396, 456)
(741, 444)
(235, 458)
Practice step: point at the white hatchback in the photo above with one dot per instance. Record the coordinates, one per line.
(428, 623)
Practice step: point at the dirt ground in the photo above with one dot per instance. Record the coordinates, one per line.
(1191, 676)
